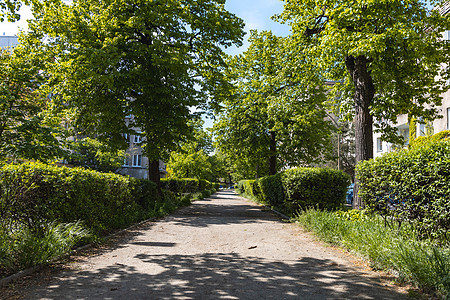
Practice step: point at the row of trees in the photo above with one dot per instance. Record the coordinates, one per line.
(157, 60)
(101, 61)
(360, 60)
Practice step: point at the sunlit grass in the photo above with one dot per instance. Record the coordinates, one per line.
(387, 246)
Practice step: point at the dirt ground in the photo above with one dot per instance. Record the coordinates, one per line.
(223, 247)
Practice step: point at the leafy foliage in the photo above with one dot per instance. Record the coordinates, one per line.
(426, 140)
(10, 9)
(400, 40)
(92, 154)
(28, 127)
(192, 159)
(411, 186)
(267, 123)
(300, 188)
(34, 194)
(154, 60)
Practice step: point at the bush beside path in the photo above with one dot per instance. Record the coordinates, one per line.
(223, 247)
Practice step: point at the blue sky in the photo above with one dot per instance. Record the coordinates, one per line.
(257, 15)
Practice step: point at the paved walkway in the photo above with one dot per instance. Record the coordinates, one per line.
(224, 247)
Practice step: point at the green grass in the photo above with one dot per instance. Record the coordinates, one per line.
(21, 248)
(388, 247)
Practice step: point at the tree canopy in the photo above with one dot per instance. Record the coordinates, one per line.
(154, 60)
(268, 121)
(29, 129)
(192, 159)
(9, 9)
(385, 58)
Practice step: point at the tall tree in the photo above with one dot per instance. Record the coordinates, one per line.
(385, 56)
(268, 122)
(29, 129)
(155, 60)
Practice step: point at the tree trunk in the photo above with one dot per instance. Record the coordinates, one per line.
(273, 154)
(364, 93)
(153, 172)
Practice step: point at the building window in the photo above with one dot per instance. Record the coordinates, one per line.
(137, 160)
(379, 145)
(137, 139)
(421, 130)
(448, 118)
(126, 136)
(126, 161)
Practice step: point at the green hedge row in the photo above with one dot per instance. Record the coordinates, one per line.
(187, 185)
(411, 185)
(34, 194)
(299, 188)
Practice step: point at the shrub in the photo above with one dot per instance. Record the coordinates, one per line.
(271, 190)
(314, 187)
(185, 185)
(427, 140)
(180, 185)
(300, 188)
(240, 187)
(250, 188)
(34, 194)
(411, 185)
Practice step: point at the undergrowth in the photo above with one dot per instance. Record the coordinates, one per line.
(22, 247)
(386, 245)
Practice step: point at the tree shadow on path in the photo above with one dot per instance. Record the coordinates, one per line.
(217, 276)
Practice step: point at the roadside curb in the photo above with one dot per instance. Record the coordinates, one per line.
(7, 280)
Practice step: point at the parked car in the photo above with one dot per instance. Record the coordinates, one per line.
(349, 196)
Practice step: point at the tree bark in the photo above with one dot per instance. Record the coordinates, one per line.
(273, 153)
(153, 172)
(363, 97)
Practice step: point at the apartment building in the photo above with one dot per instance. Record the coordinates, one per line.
(136, 164)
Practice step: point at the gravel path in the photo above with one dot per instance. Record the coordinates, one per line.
(223, 247)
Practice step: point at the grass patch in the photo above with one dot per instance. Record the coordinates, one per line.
(21, 247)
(386, 245)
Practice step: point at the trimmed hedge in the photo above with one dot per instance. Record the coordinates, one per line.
(271, 190)
(249, 187)
(34, 194)
(299, 188)
(321, 188)
(411, 185)
(185, 185)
